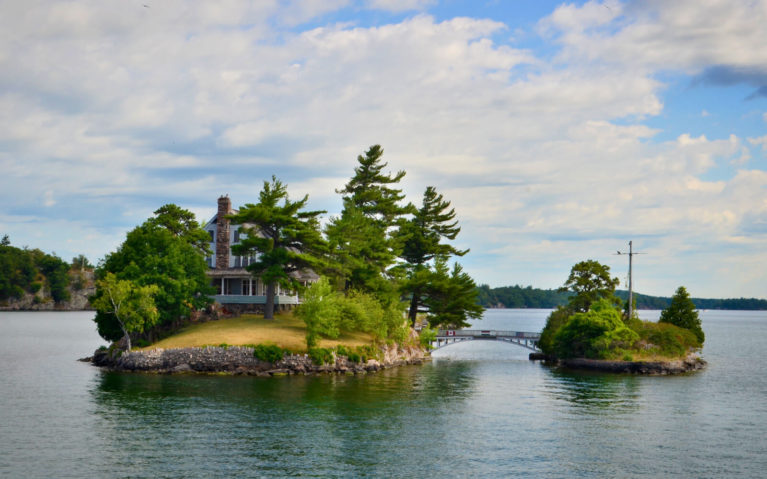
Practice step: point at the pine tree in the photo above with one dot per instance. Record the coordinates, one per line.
(421, 241)
(681, 312)
(361, 239)
(451, 296)
(286, 239)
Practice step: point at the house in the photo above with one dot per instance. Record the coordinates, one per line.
(236, 288)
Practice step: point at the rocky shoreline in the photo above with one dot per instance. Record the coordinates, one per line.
(651, 368)
(240, 360)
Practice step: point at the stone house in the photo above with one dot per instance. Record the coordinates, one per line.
(236, 288)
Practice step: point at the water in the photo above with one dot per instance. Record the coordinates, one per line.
(480, 409)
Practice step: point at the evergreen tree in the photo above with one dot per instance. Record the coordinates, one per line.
(361, 238)
(681, 312)
(450, 296)
(286, 239)
(421, 241)
(182, 223)
(368, 189)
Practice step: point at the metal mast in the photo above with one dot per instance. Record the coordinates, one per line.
(631, 288)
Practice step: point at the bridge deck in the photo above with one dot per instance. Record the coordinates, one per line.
(526, 339)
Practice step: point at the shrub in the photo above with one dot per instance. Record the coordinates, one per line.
(321, 356)
(598, 333)
(35, 287)
(665, 339)
(554, 322)
(270, 353)
(427, 336)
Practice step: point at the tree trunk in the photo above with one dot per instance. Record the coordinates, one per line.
(125, 332)
(413, 313)
(269, 306)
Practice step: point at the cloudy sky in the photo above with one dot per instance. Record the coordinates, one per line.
(558, 131)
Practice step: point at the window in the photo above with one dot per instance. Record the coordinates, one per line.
(212, 236)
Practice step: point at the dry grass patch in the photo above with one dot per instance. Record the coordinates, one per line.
(285, 330)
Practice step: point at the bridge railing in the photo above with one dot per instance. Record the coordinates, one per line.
(452, 333)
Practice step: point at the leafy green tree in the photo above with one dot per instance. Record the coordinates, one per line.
(421, 239)
(681, 312)
(554, 322)
(320, 310)
(6, 241)
(56, 273)
(598, 333)
(17, 271)
(286, 239)
(450, 296)
(131, 306)
(153, 255)
(182, 224)
(589, 281)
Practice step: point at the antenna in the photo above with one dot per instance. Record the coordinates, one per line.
(630, 254)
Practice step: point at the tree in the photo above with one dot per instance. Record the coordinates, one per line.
(368, 191)
(361, 238)
(80, 262)
(450, 296)
(132, 306)
(6, 241)
(152, 255)
(421, 239)
(286, 239)
(681, 312)
(182, 224)
(589, 281)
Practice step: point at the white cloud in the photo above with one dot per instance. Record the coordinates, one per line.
(108, 111)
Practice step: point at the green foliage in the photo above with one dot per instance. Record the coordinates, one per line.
(520, 297)
(421, 241)
(427, 336)
(450, 296)
(681, 312)
(589, 281)
(598, 333)
(554, 322)
(22, 270)
(665, 339)
(286, 239)
(182, 224)
(321, 311)
(153, 255)
(327, 312)
(270, 353)
(321, 356)
(129, 304)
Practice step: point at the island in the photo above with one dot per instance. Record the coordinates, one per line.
(597, 331)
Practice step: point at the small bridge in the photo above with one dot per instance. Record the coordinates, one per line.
(446, 337)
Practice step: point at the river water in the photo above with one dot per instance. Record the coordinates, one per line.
(479, 409)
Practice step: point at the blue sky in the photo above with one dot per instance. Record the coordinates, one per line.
(559, 131)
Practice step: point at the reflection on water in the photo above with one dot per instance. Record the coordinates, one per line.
(593, 392)
(481, 412)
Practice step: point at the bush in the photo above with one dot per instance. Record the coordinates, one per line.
(427, 336)
(598, 334)
(270, 353)
(321, 356)
(554, 322)
(665, 339)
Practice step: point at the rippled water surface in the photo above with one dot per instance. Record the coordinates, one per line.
(479, 409)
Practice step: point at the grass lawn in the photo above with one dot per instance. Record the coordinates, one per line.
(284, 330)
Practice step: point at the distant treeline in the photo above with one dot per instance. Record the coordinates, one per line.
(31, 271)
(529, 297)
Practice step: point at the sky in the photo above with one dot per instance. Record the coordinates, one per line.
(558, 131)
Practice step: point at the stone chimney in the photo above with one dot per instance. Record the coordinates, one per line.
(222, 232)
